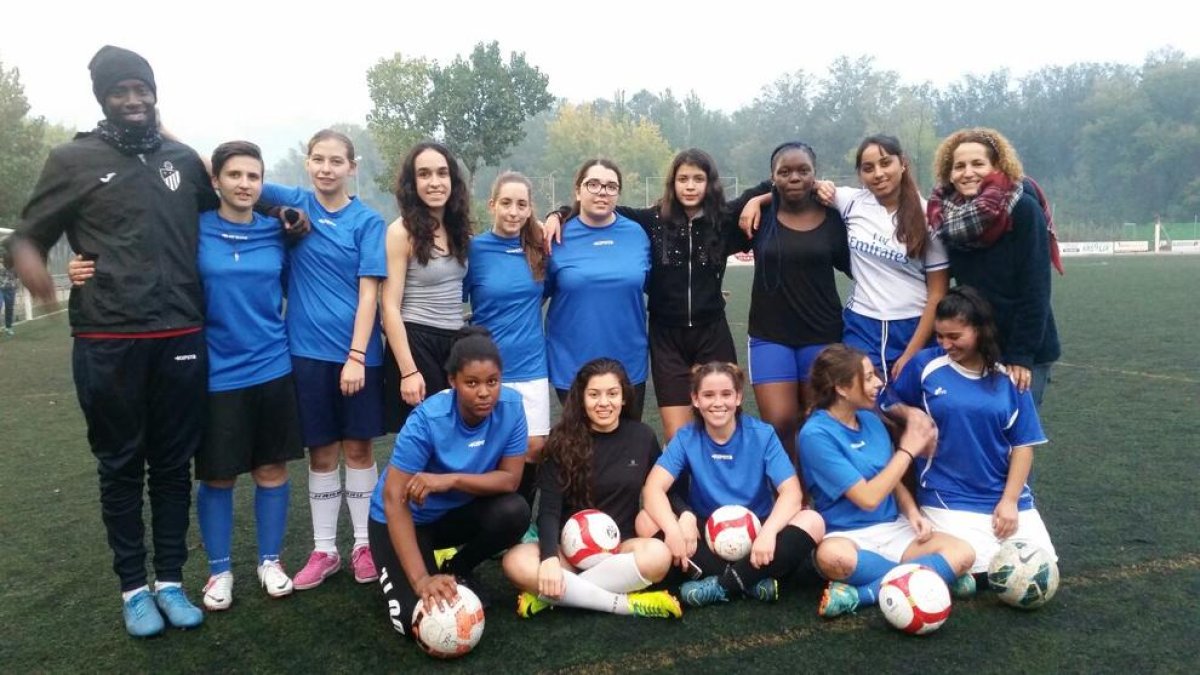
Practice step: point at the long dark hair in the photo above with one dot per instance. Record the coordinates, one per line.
(570, 441)
(836, 366)
(670, 210)
(967, 305)
(911, 226)
(582, 172)
(531, 232)
(415, 215)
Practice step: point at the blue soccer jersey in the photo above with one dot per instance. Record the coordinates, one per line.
(596, 283)
(746, 470)
(241, 266)
(325, 268)
(507, 300)
(834, 458)
(435, 439)
(979, 420)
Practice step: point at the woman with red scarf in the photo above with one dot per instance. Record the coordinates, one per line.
(996, 224)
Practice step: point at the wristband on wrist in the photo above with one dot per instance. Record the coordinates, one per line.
(910, 455)
(357, 351)
(410, 374)
(357, 358)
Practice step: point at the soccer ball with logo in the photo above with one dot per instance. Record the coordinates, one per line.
(914, 599)
(730, 531)
(1023, 575)
(450, 630)
(589, 537)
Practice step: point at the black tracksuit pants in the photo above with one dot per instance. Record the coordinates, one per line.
(144, 403)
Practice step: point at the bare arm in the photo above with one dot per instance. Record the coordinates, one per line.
(403, 535)
(399, 248)
(936, 284)
(354, 372)
(1004, 518)
(504, 478)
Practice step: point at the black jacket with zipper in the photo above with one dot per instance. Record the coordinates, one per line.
(138, 215)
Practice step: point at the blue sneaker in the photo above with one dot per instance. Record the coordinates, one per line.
(704, 592)
(964, 586)
(141, 616)
(838, 599)
(766, 590)
(177, 609)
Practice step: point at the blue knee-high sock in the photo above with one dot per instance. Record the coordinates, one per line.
(868, 574)
(270, 515)
(937, 563)
(214, 510)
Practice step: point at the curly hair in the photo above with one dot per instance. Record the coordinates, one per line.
(531, 232)
(1001, 153)
(415, 214)
(570, 441)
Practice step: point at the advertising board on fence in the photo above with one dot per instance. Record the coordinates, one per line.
(1131, 246)
(1074, 248)
(1185, 246)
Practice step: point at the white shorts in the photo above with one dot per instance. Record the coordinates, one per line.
(976, 530)
(535, 395)
(889, 540)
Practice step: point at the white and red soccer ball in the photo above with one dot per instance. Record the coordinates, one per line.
(914, 599)
(730, 531)
(589, 537)
(451, 630)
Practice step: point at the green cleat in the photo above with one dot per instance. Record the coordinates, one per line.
(529, 604)
(655, 604)
(704, 592)
(838, 599)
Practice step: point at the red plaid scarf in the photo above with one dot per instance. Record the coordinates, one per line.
(980, 221)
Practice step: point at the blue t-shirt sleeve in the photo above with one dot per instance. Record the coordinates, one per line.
(1026, 428)
(905, 389)
(779, 468)
(274, 194)
(825, 466)
(372, 252)
(413, 445)
(673, 458)
(518, 438)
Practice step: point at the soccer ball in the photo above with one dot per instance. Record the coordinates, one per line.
(453, 630)
(914, 599)
(589, 537)
(730, 531)
(1023, 575)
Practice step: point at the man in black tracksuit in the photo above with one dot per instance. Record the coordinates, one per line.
(129, 199)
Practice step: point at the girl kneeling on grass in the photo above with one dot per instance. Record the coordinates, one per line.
(975, 485)
(854, 477)
(731, 458)
(451, 483)
(597, 457)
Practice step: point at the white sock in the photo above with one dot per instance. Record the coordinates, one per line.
(618, 574)
(325, 501)
(159, 585)
(581, 593)
(126, 595)
(360, 485)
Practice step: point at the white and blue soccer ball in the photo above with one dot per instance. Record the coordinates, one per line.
(1023, 575)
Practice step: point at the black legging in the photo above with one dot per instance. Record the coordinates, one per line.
(482, 528)
(793, 557)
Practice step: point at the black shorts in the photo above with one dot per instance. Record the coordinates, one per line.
(675, 349)
(249, 428)
(430, 348)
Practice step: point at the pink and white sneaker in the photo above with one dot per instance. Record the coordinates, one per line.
(319, 567)
(363, 565)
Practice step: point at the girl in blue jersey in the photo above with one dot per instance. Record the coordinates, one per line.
(337, 353)
(597, 457)
(872, 522)
(692, 233)
(795, 310)
(596, 284)
(505, 283)
(731, 458)
(451, 482)
(975, 486)
(422, 298)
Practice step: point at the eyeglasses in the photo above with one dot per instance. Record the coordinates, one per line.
(596, 187)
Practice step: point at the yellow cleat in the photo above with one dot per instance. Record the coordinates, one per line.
(529, 604)
(443, 555)
(655, 604)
